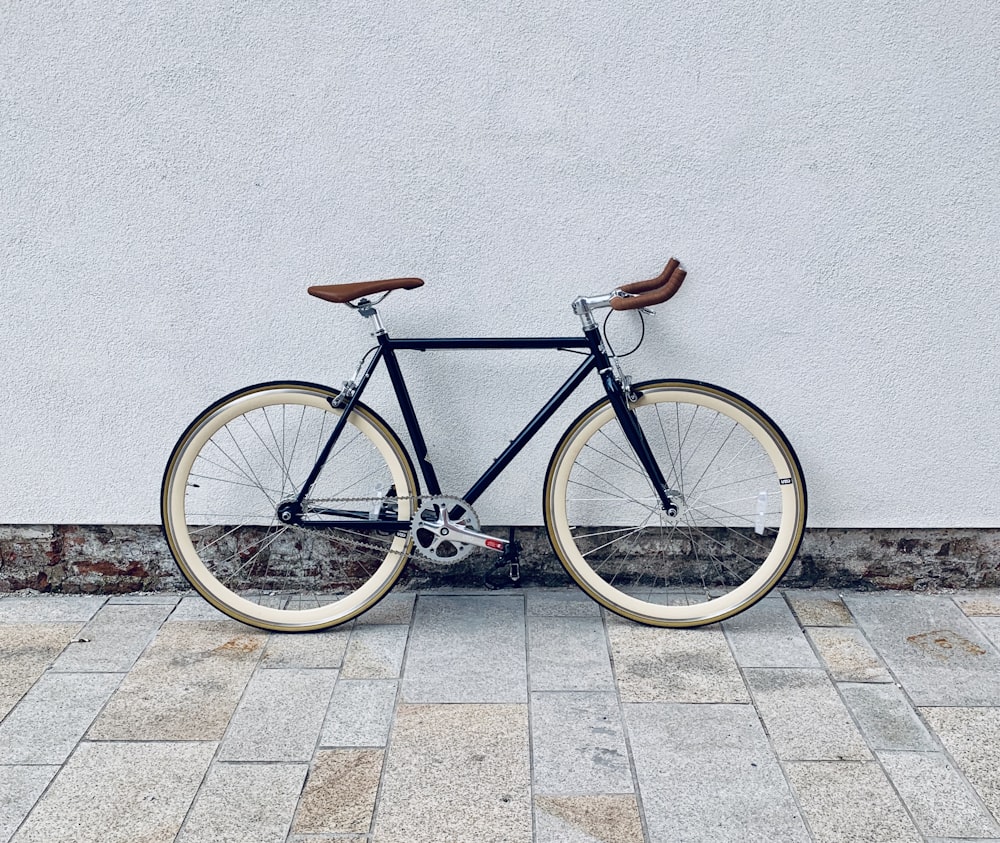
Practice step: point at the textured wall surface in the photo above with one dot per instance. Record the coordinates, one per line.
(173, 175)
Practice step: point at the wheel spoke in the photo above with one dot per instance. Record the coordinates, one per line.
(724, 547)
(221, 493)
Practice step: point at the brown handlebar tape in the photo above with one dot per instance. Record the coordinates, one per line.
(652, 283)
(654, 291)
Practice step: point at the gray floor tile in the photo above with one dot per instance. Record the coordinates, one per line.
(847, 801)
(360, 713)
(50, 608)
(457, 772)
(677, 665)
(154, 597)
(194, 607)
(394, 608)
(119, 793)
(990, 627)
(561, 603)
(706, 772)
(375, 652)
(339, 796)
(971, 736)
(818, 607)
(467, 649)
(804, 715)
(610, 818)
(47, 723)
(886, 718)
(26, 651)
(768, 635)
(578, 744)
(848, 655)
(242, 802)
(280, 716)
(979, 603)
(940, 802)
(937, 653)
(21, 787)
(307, 649)
(114, 638)
(185, 686)
(568, 654)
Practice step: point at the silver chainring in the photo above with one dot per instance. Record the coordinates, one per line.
(427, 527)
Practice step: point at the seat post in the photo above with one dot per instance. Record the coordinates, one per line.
(368, 311)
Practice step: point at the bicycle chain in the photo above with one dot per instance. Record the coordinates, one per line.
(356, 543)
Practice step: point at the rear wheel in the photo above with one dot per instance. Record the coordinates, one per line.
(246, 456)
(737, 487)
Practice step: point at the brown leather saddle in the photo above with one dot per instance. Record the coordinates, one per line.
(346, 293)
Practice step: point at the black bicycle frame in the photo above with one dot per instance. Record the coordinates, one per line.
(596, 359)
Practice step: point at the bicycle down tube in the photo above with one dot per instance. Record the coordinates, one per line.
(596, 359)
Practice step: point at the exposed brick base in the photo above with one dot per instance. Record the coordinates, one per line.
(114, 559)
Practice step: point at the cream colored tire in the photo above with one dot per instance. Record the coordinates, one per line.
(248, 453)
(739, 488)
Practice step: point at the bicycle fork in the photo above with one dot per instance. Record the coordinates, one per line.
(618, 391)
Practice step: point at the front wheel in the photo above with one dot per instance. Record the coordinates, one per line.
(237, 468)
(734, 480)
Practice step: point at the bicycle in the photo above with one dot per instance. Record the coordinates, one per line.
(293, 506)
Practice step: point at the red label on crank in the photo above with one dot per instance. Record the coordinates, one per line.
(494, 544)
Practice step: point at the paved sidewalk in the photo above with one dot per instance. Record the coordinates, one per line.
(502, 716)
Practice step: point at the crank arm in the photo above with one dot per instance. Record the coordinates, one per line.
(458, 533)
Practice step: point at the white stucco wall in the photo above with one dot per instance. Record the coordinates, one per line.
(173, 175)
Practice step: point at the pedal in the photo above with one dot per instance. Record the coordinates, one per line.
(512, 558)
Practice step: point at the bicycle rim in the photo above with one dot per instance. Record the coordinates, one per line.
(248, 453)
(741, 506)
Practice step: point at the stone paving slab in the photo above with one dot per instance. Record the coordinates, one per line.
(818, 607)
(241, 802)
(886, 719)
(689, 665)
(375, 652)
(707, 773)
(568, 654)
(985, 602)
(972, 738)
(931, 647)
(58, 608)
(185, 686)
(20, 786)
(310, 649)
(769, 636)
(43, 729)
(578, 744)
(119, 793)
(218, 731)
(114, 638)
(847, 654)
(850, 801)
(607, 818)
(360, 713)
(467, 649)
(938, 799)
(27, 650)
(339, 796)
(457, 772)
(280, 716)
(805, 716)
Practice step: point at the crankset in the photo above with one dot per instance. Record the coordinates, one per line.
(446, 530)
